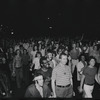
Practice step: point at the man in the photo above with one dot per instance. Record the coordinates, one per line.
(45, 70)
(49, 59)
(25, 65)
(74, 53)
(62, 76)
(38, 89)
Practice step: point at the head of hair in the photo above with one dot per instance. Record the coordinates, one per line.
(36, 74)
(62, 54)
(42, 59)
(81, 56)
(91, 57)
(38, 53)
(54, 52)
(16, 51)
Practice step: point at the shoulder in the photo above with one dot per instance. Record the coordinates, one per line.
(31, 87)
(79, 63)
(38, 71)
(57, 67)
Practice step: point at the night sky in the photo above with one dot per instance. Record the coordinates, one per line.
(51, 17)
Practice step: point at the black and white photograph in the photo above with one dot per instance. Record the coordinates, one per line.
(50, 49)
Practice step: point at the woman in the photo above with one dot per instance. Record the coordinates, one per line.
(88, 78)
(36, 61)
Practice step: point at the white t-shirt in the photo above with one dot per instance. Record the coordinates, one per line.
(36, 61)
(43, 52)
(33, 53)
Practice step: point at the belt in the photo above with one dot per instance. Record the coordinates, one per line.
(90, 84)
(18, 67)
(63, 86)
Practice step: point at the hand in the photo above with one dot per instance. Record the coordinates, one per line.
(30, 69)
(73, 93)
(54, 95)
(80, 89)
(13, 74)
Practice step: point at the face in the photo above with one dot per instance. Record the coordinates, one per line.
(38, 55)
(54, 55)
(11, 50)
(74, 45)
(35, 47)
(82, 58)
(92, 62)
(49, 55)
(95, 47)
(66, 52)
(77, 44)
(25, 52)
(64, 59)
(18, 51)
(40, 80)
(45, 64)
(59, 52)
(3, 60)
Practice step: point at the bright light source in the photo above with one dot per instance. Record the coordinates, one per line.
(12, 32)
(50, 27)
(48, 18)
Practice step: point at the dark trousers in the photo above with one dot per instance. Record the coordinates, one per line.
(19, 76)
(26, 74)
(66, 92)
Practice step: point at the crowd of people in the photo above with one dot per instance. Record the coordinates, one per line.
(46, 66)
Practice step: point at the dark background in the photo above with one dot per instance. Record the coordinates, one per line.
(66, 17)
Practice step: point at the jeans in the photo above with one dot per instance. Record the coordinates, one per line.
(19, 76)
(74, 63)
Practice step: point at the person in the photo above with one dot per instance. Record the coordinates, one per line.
(88, 78)
(43, 50)
(25, 65)
(80, 67)
(97, 77)
(10, 56)
(46, 71)
(54, 60)
(69, 57)
(17, 68)
(50, 58)
(37, 89)
(62, 76)
(33, 52)
(36, 61)
(74, 53)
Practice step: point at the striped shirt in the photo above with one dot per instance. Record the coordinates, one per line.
(62, 75)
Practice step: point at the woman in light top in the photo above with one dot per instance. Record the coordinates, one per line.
(36, 61)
